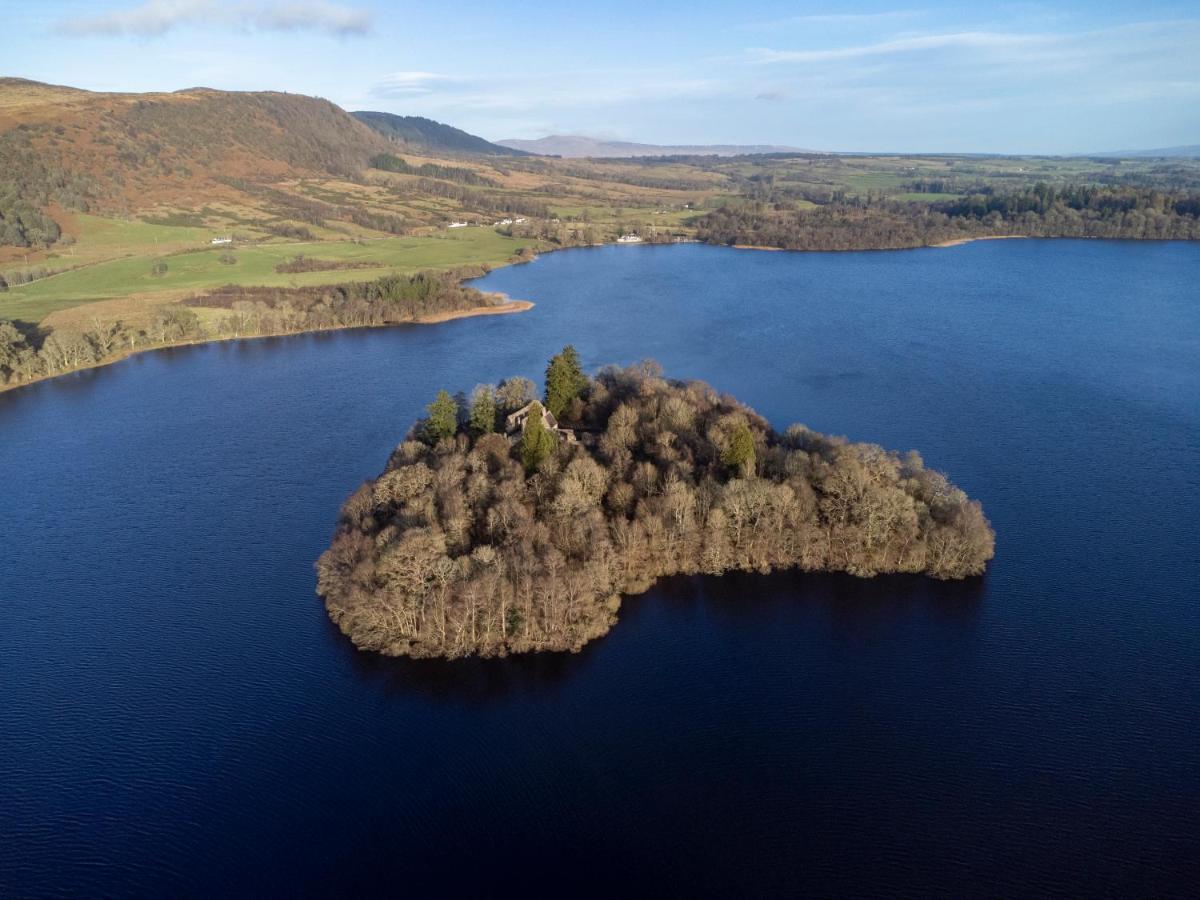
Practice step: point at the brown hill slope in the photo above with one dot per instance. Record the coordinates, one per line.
(114, 152)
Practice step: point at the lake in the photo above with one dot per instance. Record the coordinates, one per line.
(179, 718)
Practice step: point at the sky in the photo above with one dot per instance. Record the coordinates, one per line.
(901, 76)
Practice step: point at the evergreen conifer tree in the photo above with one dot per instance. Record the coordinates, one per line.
(564, 381)
(536, 440)
(443, 419)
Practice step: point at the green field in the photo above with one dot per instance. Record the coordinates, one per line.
(201, 270)
(925, 197)
(873, 181)
(125, 234)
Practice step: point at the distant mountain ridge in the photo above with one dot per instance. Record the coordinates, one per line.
(428, 134)
(578, 145)
(1188, 151)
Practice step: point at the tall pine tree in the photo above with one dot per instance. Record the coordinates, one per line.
(564, 381)
(443, 419)
(536, 440)
(483, 410)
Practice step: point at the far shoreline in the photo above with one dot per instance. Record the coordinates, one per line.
(952, 242)
(509, 305)
(956, 242)
(500, 309)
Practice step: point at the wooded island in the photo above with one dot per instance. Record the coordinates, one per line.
(504, 525)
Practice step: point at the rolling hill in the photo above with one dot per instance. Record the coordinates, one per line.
(581, 146)
(92, 179)
(426, 134)
(70, 149)
(136, 140)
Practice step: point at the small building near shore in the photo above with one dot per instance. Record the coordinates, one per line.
(514, 423)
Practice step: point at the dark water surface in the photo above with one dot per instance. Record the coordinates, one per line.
(178, 717)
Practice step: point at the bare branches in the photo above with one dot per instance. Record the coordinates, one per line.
(456, 550)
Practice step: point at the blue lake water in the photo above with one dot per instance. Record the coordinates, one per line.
(178, 717)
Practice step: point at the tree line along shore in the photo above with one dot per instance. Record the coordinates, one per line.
(787, 221)
(781, 219)
(506, 523)
(29, 354)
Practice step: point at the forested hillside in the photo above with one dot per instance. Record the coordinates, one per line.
(426, 134)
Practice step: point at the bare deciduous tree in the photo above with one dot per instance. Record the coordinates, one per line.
(455, 549)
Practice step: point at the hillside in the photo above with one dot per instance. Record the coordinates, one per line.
(578, 146)
(74, 150)
(195, 132)
(88, 177)
(426, 134)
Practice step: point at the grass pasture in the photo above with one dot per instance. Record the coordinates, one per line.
(200, 270)
(913, 197)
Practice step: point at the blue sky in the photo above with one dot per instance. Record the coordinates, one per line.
(899, 76)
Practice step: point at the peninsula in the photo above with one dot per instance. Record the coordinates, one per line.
(504, 524)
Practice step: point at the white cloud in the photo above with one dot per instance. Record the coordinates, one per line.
(408, 84)
(156, 17)
(827, 21)
(972, 40)
(533, 92)
(1146, 59)
(1165, 42)
(1039, 88)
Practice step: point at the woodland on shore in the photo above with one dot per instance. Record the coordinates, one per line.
(477, 542)
(28, 353)
(1077, 211)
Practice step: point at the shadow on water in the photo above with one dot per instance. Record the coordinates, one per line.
(63, 385)
(855, 606)
(249, 348)
(473, 681)
(86, 380)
